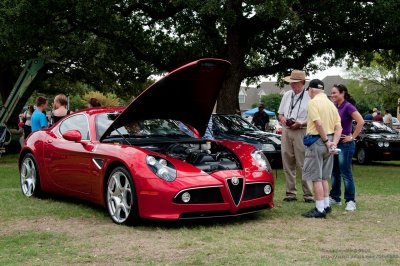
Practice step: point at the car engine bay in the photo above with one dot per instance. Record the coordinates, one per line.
(207, 156)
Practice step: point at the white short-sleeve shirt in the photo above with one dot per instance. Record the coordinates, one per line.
(294, 105)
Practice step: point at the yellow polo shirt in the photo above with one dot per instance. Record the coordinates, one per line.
(321, 108)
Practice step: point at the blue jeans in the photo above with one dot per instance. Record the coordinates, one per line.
(342, 167)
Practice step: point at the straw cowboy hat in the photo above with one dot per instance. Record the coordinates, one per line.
(295, 76)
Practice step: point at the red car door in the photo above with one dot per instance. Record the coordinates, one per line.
(69, 162)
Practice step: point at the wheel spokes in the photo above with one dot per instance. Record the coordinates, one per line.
(119, 210)
(30, 186)
(119, 196)
(28, 177)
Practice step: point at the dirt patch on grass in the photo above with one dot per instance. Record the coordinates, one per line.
(368, 236)
(106, 241)
(338, 236)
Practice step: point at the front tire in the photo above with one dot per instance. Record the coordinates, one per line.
(29, 176)
(121, 197)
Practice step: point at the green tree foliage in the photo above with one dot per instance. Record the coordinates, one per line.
(115, 45)
(379, 83)
(364, 101)
(108, 99)
(76, 102)
(272, 101)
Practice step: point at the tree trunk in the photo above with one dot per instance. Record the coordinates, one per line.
(228, 101)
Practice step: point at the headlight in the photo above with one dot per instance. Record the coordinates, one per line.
(386, 144)
(267, 147)
(161, 167)
(261, 160)
(380, 144)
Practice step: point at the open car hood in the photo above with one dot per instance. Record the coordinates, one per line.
(187, 94)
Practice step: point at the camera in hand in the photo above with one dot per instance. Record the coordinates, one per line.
(334, 151)
(290, 122)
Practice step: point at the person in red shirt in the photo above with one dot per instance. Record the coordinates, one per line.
(378, 117)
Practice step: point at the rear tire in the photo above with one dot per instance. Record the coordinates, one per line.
(120, 195)
(29, 177)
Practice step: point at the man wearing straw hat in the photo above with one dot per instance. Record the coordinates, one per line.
(293, 118)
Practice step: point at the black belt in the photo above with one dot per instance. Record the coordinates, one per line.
(318, 135)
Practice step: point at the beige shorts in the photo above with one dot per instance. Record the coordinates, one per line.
(318, 162)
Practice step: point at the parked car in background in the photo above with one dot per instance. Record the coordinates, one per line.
(234, 127)
(275, 126)
(377, 142)
(396, 123)
(137, 163)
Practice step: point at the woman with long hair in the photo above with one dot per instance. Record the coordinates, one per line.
(59, 108)
(343, 161)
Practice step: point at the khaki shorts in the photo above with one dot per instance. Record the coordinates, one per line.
(318, 162)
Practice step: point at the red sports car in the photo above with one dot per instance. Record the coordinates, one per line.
(136, 162)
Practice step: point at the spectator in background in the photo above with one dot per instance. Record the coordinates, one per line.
(378, 117)
(27, 120)
(93, 102)
(387, 119)
(374, 111)
(39, 119)
(342, 162)
(369, 115)
(59, 108)
(260, 118)
(208, 134)
(293, 118)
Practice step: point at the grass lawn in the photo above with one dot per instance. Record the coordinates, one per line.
(57, 231)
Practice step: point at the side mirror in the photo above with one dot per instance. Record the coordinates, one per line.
(72, 135)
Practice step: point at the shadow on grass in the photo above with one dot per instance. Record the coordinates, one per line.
(202, 222)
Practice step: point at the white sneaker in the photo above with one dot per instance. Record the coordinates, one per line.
(350, 206)
(334, 202)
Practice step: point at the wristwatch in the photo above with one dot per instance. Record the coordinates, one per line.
(325, 141)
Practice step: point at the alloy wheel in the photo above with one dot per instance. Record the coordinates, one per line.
(119, 196)
(28, 176)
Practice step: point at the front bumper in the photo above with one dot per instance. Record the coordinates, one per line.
(232, 200)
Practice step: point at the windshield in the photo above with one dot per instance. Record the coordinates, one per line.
(139, 128)
(377, 127)
(232, 123)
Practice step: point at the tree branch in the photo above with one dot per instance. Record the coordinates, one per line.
(167, 9)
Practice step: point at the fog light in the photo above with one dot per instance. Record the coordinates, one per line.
(185, 197)
(380, 144)
(267, 189)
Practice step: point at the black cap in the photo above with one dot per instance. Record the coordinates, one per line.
(316, 84)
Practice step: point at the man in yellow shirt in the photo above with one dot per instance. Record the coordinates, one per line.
(324, 129)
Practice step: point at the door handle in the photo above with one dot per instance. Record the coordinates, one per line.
(49, 141)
